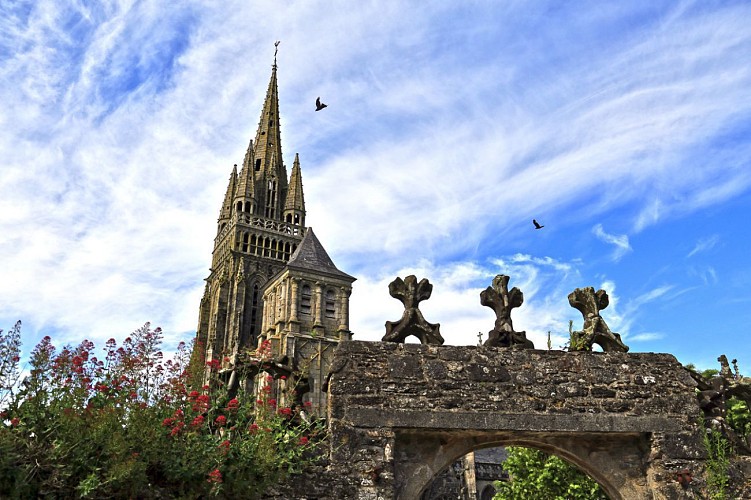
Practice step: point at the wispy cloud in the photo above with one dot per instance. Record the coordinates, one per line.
(619, 241)
(704, 244)
(448, 129)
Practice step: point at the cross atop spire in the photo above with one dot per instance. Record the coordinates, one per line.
(276, 49)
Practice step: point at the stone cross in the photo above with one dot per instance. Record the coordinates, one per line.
(595, 330)
(411, 293)
(502, 300)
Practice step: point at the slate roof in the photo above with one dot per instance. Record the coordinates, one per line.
(311, 256)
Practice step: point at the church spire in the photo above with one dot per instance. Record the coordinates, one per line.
(268, 143)
(226, 212)
(245, 192)
(294, 205)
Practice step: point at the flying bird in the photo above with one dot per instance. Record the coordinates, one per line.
(319, 104)
(537, 224)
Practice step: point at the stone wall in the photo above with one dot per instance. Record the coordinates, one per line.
(400, 413)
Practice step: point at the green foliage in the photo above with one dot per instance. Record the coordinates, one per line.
(537, 475)
(717, 464)
(739, 417)
(10, 350)
(128, 426)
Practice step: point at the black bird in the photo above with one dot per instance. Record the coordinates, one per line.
(537, 224)
(319, 104)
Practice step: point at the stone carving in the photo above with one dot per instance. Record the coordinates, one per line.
(501, 300)
(595, 330)
(411, 293)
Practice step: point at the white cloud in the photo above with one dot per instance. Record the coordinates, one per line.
(620, 241)
(704, 244)
(448, 128)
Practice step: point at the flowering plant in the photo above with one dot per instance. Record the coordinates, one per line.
(134, 425)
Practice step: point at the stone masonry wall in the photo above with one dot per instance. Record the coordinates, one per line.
(400, 413)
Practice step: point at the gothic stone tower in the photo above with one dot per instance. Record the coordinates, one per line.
(306, 316)
(260, 254)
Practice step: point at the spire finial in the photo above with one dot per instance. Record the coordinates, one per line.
(276, 49)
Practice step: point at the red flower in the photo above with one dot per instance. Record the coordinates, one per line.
(176, 430)
(253, 428)
(221, 420)
(168, 422)
(15, 421)
(272, 402)
(198, 421)
(215, 476)
(193, 395)
(213, 364)
(224, 446)
(233, 404)
(285, 411)
(283, 377)
(303, 441)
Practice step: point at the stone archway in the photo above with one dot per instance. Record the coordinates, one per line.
(400, 413)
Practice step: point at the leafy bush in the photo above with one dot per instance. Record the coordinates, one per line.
(536, 474)
(131, 425)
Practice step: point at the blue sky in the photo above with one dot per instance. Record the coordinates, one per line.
(623, 127)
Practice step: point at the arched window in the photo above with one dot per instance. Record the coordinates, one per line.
(239, 206)
(245, 242)
(258, 164)
(297, 218)
(273, 249)
(330, 304)
(253, 245)
(271, 198)
(286, 251)
(247, 206)
(305, 296)
(288, 219)
(254, 327)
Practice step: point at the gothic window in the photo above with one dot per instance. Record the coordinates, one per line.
(330, 304)
(258, 164)
(289, 218)
(253, 245)
(286, 251)
(305, 296)
(245, 242)
(254, 310)
(271, 198)
(266, 247)
(273, 249)
(247, 206)
(297, 218)
(239, 206)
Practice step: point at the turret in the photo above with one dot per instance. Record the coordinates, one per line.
(294, 205)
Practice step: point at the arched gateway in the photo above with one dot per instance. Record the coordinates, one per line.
(400, 413)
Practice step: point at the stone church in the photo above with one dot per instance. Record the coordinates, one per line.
(270, 277)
